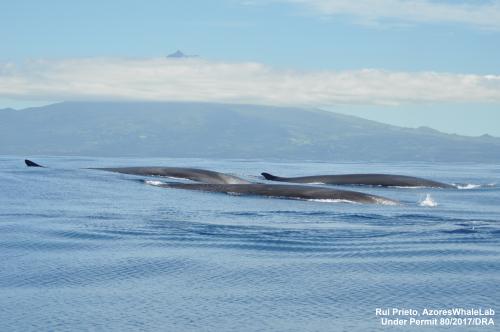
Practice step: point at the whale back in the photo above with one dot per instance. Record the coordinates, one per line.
(384, 180)
(194, 174)
(283, 191)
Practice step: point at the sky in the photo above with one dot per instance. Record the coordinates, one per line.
(405, 62)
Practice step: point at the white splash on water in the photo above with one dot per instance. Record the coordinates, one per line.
(384, 201)
(468, 186)
(408, 187)
(153, 182)
(233, 193)
(172, 177)
(331, 200)
(428, 201)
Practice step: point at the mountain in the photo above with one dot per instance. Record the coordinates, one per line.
(177, 54)
(185, 129)
(180, 54)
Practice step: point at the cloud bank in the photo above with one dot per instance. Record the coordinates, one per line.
(161, 79)
(483, 14)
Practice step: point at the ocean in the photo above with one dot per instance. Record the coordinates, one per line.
(87, 250)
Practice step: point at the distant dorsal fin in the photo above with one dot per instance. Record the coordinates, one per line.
(30, 163)
(268, 176)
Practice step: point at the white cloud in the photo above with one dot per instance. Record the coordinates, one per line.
(200, 80)
(483, 14)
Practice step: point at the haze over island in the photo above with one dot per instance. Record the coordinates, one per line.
(214, 130)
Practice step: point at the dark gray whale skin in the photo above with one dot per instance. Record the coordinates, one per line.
(30, 163)
(282, 191)
(384, 180)
(194, 174)
(229, 184)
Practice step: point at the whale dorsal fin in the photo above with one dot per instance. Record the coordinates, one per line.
(30, 163)
(268, 176)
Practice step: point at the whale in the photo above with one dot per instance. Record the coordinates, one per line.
(194, 174)
(281, 191)
(210, 181)
(383, 180)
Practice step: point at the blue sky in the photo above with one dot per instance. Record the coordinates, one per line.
(412, 63)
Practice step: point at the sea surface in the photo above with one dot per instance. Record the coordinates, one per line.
(88, 250)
